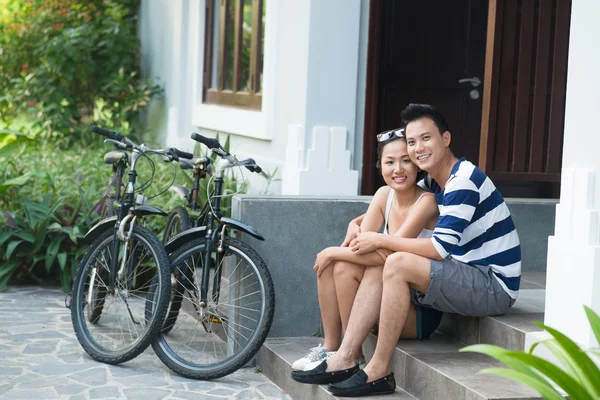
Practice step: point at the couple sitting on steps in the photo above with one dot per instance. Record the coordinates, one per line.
(467, 260)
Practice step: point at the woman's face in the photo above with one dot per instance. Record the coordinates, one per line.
(397, 169)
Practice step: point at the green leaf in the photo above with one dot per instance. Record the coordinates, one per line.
(594, 322)
(6, 235)
(6, 272)
(52, 252)
(8, 268)
(62, 260)
(54, 227)
(567, 382)
(19, 181)
(11, 247)
(587, 369)
(545, 389)
(504, 356)
(28, 237)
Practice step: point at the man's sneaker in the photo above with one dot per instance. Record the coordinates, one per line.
(316, 354)
(310, 366)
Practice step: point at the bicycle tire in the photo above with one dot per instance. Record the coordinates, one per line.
(147, 283)
(178, 221)
(184, 359)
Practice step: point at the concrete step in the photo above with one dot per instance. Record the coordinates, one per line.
(276, 356)
(427, 370)
(508, 331)
(434, 369)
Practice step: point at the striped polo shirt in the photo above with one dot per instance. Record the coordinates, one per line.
(475, 226)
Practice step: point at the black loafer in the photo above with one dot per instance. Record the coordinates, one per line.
(357, 386)
(319, 376)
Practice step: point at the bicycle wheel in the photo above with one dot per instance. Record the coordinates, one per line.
(116, 325)
(178, 221)
(211, 342)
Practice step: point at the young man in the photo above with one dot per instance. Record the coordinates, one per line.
(471, 265)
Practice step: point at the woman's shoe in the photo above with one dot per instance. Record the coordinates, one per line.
(315, 355)
(312, 365)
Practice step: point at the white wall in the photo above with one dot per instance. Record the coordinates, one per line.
(573, 272)
(311, 67)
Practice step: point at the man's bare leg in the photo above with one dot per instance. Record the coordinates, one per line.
(365, 312)
(330, 312)
(400, 271)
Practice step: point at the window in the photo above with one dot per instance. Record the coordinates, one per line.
(233, 59)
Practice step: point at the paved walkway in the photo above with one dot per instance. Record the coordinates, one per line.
(40, 358)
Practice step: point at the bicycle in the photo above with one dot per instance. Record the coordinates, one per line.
(121, 290)
(179, 218)
(112, 194)
(225, 291)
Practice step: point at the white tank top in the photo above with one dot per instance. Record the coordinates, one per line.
(425, 233)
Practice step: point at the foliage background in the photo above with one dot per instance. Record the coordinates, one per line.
(64, 64)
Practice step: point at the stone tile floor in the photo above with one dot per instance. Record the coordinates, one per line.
(40, 358)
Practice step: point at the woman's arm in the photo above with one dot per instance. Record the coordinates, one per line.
(421, 215)
(331, 254)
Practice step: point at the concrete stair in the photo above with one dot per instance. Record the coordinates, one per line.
(432, 369)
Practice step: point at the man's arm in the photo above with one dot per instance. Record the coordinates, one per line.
(423, 214)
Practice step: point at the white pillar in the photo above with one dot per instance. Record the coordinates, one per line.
(573, 272)
(318, 161)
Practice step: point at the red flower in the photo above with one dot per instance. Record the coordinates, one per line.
(57, 25)
(32, 102)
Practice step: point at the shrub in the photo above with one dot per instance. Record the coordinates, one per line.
(46, 202)
(65, 63)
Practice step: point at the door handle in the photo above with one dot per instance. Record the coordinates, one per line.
(475, 81)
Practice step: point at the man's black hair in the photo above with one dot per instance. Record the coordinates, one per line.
(414, 112)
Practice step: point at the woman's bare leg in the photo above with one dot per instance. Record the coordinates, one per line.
(330, 312)
(347, 277)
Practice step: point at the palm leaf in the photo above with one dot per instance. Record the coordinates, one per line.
(504, 356)
(568, 383)
(545, 389)
(588, 370)
(594, 322)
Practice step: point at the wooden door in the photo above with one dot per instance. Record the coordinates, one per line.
(523, 124)
(426, 51)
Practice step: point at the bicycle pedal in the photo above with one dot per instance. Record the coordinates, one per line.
(68, 300)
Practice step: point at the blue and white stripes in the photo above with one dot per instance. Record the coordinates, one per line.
(475, 226)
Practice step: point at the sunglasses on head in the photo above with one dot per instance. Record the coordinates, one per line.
(383, 136)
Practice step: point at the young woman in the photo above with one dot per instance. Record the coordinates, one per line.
(402, 208)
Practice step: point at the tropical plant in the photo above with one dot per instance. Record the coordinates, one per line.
(47, 236)
(46, 201)
(65, 63)
(577, 375)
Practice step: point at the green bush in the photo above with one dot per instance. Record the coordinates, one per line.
(579, 376)
(46, 202)
(67, 63)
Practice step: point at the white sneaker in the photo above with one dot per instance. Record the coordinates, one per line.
(315, 354)
(312, 365)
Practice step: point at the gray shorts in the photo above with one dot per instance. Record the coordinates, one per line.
(464, 289)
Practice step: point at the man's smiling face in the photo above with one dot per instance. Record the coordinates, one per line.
(426, 145)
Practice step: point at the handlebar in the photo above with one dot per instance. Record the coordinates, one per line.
(216, 147)
(114, 135)
(181, 154)
(208, 142)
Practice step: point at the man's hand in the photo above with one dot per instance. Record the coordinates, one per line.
(324, 259)
(352, 232)
(365, 242)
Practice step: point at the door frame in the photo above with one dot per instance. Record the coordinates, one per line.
(372, 90)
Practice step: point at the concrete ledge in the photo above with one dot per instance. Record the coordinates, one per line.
(296, 228)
